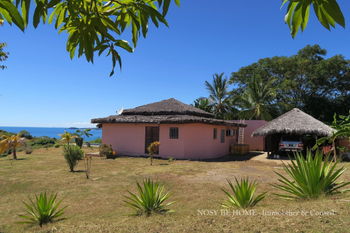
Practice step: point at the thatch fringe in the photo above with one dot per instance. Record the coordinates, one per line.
(164, 119)
(170, 111)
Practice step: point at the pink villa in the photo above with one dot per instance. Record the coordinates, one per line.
(184, 132)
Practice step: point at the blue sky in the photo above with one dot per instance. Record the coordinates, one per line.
(43, 87)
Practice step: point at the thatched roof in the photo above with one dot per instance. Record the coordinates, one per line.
(170, 111)
(294, 122)
(167, 107)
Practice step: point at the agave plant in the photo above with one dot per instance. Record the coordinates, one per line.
(150, 198)
(44, 209)
(310, 177)
(242, 195)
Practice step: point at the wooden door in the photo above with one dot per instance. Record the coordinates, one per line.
(152, 135)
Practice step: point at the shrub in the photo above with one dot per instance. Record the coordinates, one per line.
(28, 149)
(25, 134)
(57, 145)
(242, 194)
(150, 198)
(153, 149)
(72, 154)
(310, 177)
(44, 209)
(96, 141)
(5, 133)
(106, 151)
(42, 142)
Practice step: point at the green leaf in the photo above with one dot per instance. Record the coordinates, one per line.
(305, 16)
(5, 15)
(135, 32)
(37, 14)
(16, 18)
(333, 10)
(25, 11)
(125, 45)
(321, 17)
(166, 7)
(328, 14)
(290, 12)
(297, 19)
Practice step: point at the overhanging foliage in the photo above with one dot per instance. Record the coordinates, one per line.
(93, 26)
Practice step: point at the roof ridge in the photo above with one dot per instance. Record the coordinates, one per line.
(169, 106)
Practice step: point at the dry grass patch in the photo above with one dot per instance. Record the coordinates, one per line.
(96, 205)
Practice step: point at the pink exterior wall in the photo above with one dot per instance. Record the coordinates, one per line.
(255, 143)
(125, 138)
(195, 140)
(199, 142)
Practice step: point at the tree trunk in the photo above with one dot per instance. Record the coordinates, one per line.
(14, 153)
(79, 142)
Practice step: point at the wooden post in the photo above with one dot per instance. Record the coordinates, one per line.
(334, 151)
(88, 159)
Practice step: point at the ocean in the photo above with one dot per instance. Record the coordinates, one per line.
(50, 132)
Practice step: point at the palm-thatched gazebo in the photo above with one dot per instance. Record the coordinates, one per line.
(294, 122)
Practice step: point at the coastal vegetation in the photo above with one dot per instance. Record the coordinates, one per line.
(96, 141)
(32, 143)
(24, 142)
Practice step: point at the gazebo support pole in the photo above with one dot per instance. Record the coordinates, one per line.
(269, 146)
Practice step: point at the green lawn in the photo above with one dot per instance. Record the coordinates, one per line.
(96, 205)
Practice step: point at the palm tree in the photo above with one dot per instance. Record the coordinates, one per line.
(203, 104)
(256, 102)
(80, 133)
(219, 94)
(11, 143)
(67, 137)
